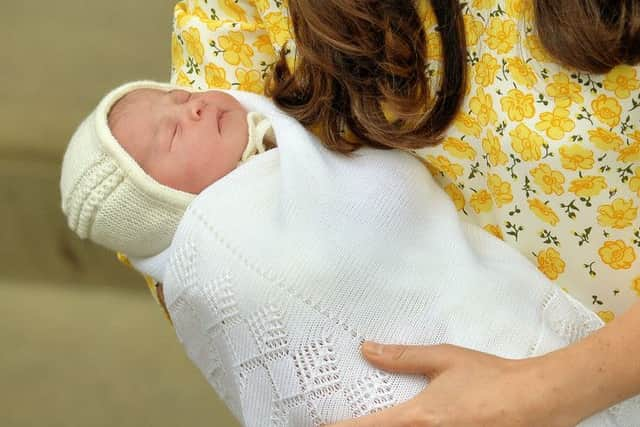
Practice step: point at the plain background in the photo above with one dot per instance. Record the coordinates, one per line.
(82, 341)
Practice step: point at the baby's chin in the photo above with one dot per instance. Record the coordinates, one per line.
(186, 184)
(196, 183)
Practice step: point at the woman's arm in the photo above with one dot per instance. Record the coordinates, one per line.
(469, 388)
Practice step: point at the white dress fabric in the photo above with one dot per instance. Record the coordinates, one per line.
(282, 268)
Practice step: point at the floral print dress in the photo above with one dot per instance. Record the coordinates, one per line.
(544, 157)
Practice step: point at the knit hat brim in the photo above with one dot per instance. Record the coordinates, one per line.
(107, 197)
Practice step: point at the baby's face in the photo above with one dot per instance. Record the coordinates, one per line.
(183, 140)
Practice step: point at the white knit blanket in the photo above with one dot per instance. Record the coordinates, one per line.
(280, 270)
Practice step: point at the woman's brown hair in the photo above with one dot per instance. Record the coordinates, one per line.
(360, 73)
(590, 35)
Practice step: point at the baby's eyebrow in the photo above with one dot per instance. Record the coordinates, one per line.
(179, 96)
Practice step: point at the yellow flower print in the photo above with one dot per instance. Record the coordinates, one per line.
(432, 169)
(473, 29)
(481, 201)
(252, 26)
(500, 190)
(634, 182)
(484, 4)
(556, 124)
(202, 16)
(467, 87)
(491, 146)
(607, 110)
(631, 153)
(564, 91)
(214, 24)
(261, 5)
(467, 124)
(526, 143)
(550, 263)
(549, 180)
(250, 81)
(518, 105)
(485, 70)
(195, 49)
(458, 148)
(263, 44)
(543, 212)
(521, 72)
(495, 230)
(216, 77)
(635, 136)
(236, 51)
(181, 14)
(604, 139)
(456, 196)
(635, 285)
(441, 163)
(502, 35)
(434, 47)
(617, 255)
(575, 157)
(482, 106)
(426, 14)
(231, 9)
(536, 49)
(183, 79)
(517, 8)
(619, 214)
(177, 60)
(622, 80)
(607, 316)
(278, 26)
(588, 186)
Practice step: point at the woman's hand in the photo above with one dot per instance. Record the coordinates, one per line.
(468, 388)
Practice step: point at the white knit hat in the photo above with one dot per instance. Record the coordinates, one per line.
(109, 199)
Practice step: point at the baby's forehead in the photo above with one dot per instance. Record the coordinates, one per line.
(132, 104)
(138, 97)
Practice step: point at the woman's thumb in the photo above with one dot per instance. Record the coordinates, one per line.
(409, 359)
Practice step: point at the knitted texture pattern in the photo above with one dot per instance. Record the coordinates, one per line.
(281, 269)
(109, 199)
(106, 195)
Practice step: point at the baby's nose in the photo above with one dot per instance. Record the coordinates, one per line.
(195, 108)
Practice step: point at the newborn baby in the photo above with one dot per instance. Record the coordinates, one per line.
(278, 271)
(137, 161)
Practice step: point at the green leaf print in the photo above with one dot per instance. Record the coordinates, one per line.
(584, 236)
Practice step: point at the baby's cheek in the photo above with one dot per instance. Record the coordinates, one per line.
(169, 172)
(201, 173)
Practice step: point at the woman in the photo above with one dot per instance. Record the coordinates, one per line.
(537, 153)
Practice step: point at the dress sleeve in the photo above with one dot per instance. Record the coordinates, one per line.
(227, 44)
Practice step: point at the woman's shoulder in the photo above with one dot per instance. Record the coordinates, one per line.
(227, 44)
(507, 60)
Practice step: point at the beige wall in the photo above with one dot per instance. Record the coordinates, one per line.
(83, 344)
(59, 57)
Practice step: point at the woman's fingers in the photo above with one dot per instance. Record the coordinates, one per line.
(466, 388)
(408, 359)
(398, 416)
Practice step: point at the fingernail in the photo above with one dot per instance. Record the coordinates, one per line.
(372, 348)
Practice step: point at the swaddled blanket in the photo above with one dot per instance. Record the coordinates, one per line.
(278, 272)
